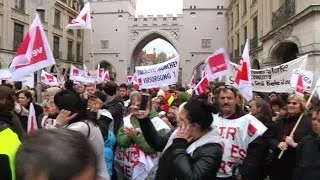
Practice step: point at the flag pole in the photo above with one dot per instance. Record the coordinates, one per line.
(38, 81)
(300, 117)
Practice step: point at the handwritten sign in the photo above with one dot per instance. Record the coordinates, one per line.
(275, 79)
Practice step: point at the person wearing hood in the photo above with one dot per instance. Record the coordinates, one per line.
(192, 151)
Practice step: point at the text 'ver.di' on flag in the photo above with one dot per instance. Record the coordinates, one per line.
(33, 54)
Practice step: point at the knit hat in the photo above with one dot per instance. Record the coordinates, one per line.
(160, 93)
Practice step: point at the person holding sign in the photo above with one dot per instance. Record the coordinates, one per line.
(284, 167)
(193, 150)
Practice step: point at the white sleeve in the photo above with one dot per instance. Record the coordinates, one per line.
(81, 127)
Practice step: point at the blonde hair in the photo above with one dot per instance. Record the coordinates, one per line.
(300, 100)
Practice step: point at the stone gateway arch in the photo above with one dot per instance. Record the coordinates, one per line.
(119, 36)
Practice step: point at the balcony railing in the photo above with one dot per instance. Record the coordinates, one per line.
(253, 43)
(285, 12)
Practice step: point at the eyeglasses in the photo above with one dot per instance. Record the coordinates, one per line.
(293, 103)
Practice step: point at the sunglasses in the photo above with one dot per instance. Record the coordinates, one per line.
(220, 88)
(293, 103)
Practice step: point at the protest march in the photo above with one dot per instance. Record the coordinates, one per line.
(230, 123)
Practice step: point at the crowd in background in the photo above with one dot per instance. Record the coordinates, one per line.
(175, 131)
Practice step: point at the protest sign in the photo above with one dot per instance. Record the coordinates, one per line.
(28, 80)
(307, 78)
(154, 76)
(276, 78)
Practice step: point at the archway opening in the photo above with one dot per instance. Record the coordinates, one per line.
(255, 64)
(108, 66)
(285, 52)
(153, 49)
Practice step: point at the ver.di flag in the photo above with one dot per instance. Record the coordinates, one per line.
(243, 76)
(83, 20)
(201, 86)
(49, 79)
(32, 121)
(33, 54)
(217, 65)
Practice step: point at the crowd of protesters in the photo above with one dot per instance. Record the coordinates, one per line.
(215, 135)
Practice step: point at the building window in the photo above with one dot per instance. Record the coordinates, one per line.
(19, 4)
(78, 52)
(56, 47)
(255, 27)
(70, 30)
(70, 44)
(57, 18)
(231, 15)
(244, 6)
(104, 44)
(18, 36)
(206, 43)
(238, 44)
(42, 15)
(79, 32)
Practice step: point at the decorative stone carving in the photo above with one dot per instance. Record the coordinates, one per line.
(283, 34)
(175, 34)
(134, 35)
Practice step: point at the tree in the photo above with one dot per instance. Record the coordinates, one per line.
(161, 57)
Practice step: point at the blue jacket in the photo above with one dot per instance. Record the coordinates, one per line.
(108, 151)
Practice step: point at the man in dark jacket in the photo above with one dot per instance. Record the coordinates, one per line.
(114, 104)
(9, 141)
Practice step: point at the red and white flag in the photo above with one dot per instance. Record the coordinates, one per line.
(217, 65)
(192, 81)
(83, 20)
(106, 76)
(202, 85)
(86, 71)
(100, 73)
(299, 86)
(129, 79)
(32, 120)
(203, 72)
(243, 76)
(34, 52)
(49, 79)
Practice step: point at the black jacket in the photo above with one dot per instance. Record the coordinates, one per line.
(253, 166)
(115, 107)
(175, 163)
(284, 167)
(308, 158)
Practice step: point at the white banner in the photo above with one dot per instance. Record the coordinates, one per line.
(157, 75)
(271, 79)
(307, 78)
(28, 80)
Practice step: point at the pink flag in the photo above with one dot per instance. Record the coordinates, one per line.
(243, 76)
(129, 79)
(100, 73)
(32, 120)
(201, 86)
(49, 79)
(192, 81)
(86, 70)
(34, 52)
(217, 65)
(106, 76)
(83, 20)
(299, 86)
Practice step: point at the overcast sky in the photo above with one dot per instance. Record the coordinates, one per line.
(156, 7)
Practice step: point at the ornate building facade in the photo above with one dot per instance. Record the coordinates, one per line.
(279, 31)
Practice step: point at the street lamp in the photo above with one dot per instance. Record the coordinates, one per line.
(40, 6)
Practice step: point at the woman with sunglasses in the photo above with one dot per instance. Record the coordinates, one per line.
(284, 167)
